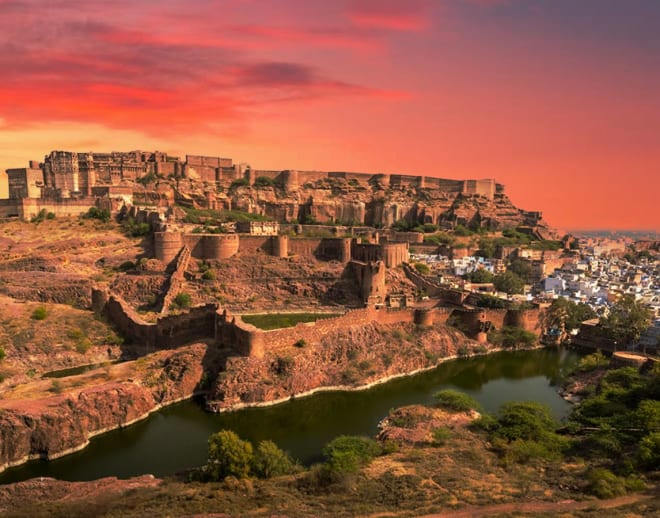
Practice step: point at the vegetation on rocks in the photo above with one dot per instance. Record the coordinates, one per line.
(455, 400)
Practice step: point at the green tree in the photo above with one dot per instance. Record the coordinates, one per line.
(627, 320)
(487, 247)
(522, 269)
(566, 315)
(649, 451)
(526, 420)
(228, 455)
(270, 461)
(481, 276)
(422, 268)
(509, 283)
(348, 453)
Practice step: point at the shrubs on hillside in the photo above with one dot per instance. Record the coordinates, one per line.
(349, 453)
(96, 213)
(39, 313)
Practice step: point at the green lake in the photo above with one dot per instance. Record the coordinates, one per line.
(174, 438)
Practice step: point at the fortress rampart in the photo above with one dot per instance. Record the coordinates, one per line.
(223, 246)
(229, 331)
(166, 332)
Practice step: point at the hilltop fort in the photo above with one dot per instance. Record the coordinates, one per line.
(68, 183)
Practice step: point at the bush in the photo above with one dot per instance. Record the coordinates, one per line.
(511, 337)
(2, 353)
(43, 214)
(428, 228)
(40, 313)
(96, 213)
(486, 423)
(209, 275)
(241, 182)
(56, 387)
(462, 231)
(301, 343)
(75, 334)
(228, 455)
(263, 181)
(525, 432)
(347, 453)
(182, 300)
(526, 451)
(135, 229)
(271, 461)
(455, 400)
(605, 484)
(649, 451)
(441, 435)
(488, 301)
(84, 345)
(592, 362)
(525, 420)
(422, 268)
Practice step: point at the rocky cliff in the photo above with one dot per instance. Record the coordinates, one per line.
(350, 357)
(49, 426)
(359, 202)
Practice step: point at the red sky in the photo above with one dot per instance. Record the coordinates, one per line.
(557, 99)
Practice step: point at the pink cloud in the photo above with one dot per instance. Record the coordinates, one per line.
(161, 77)
(395, 15)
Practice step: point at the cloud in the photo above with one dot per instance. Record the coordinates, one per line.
(396, 15)
(129, 68)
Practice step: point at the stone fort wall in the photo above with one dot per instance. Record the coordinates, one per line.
(248, 340)
(169, 331)
(224, 246)
(27, 208)
(204, 322)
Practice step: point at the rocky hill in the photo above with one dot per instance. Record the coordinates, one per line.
(361, 201)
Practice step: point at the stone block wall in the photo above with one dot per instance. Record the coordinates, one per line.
(306, 247)
(170, 331)
(254, 244)
(176, 279)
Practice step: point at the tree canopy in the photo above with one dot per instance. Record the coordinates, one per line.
(566, 314)
(509, 283)
(627, 320)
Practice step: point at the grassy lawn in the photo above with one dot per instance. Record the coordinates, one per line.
(279, 320)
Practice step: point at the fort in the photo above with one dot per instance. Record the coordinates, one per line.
(67, 183)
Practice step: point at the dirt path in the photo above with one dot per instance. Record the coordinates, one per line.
(546, 507)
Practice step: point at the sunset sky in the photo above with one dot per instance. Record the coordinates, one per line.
(557, 99)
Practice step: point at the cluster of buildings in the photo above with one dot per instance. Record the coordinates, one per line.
(596, 273)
